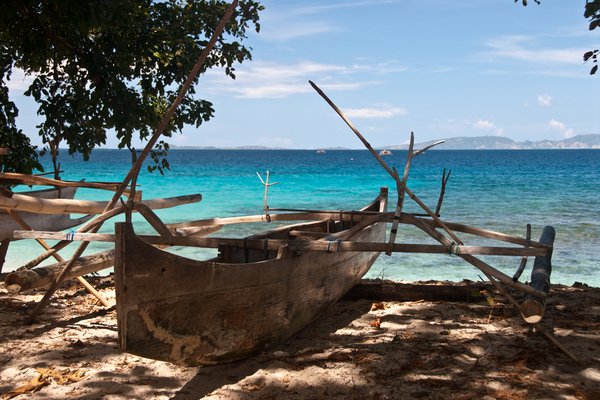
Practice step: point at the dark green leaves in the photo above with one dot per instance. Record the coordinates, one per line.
(592, 12)
(115, 65)
(525, 2)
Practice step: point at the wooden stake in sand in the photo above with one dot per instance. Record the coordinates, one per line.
(266, 184)
(139, 162)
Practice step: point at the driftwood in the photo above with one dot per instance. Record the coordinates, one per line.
(43, 276)
(385, 290)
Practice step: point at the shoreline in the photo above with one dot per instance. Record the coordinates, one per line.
(359, 348)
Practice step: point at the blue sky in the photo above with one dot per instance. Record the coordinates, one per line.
(440, 68)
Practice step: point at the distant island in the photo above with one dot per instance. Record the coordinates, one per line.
(455, 143)
(502, 143)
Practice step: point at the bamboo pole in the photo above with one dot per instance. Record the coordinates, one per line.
(97, 222)
(19, 202)
(384, 165)
(17, 218)
(491, 234)
(139, 162)
(308, 215)
(153, 219)
(31, 180)
(329, 242)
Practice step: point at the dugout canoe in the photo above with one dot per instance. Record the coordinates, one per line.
(37, 221)
(241, 302)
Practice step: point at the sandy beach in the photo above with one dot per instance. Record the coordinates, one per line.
(358, 349)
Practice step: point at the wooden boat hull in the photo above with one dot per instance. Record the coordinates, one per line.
(42, 222)
(193, 312)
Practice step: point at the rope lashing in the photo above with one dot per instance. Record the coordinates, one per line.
(329, 247)
(454, 248)
(70, 235)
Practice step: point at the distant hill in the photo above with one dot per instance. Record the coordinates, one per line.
(502, 143)
(226, 148)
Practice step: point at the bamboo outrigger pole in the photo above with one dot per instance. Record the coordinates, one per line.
(140, 160)
(25, 179)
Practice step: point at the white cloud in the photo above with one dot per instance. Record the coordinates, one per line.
(295, 30)
(371, 112)
(544, 100)
(554, 124)
(277, 80)
(288, 23)
(486, 125)
(560, 126)
(336, 6)
(524, 48)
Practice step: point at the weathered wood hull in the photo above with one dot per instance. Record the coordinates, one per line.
(42, 222)
(194, 312)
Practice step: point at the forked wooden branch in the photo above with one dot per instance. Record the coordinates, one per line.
(383, 164)
(400, 186)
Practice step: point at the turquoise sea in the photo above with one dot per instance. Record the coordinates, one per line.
(498, 190)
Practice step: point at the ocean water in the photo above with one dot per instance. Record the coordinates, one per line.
(497, 190)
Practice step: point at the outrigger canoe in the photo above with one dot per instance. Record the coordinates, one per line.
(239, 303)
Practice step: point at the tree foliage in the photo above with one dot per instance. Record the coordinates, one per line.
(111, 65)
(592, 12)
